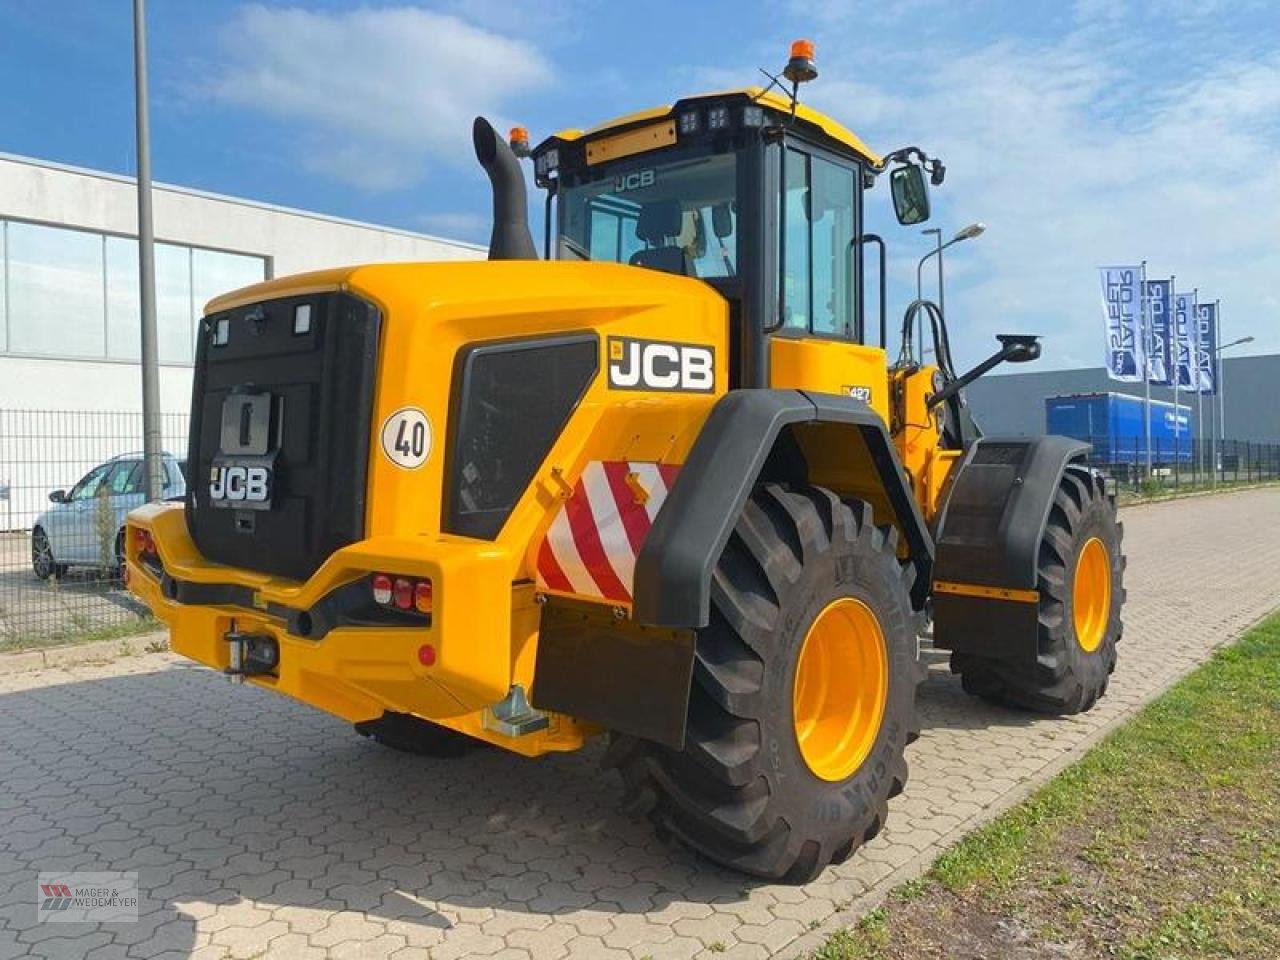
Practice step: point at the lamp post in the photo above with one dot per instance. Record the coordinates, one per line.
(967, 233)
(1219, 434)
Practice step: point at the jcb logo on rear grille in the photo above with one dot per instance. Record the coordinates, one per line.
(661, 365)
(249, 484)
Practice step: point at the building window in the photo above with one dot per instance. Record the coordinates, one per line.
(55, 302)
(74, 293)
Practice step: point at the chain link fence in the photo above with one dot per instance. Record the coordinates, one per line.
(1189, 464)
(67, 481)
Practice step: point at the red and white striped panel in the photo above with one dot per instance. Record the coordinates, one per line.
(591, 548)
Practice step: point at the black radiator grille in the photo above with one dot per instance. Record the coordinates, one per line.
(511, 401)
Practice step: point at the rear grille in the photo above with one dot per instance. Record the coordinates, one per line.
(511, 402)
(287, 396)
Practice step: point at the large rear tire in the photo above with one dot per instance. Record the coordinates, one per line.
(803, 697)
(1080, 577)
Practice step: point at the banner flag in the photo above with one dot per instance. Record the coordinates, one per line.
(1122, 311)
(1159, 298)
(1207, 328)
(1184, 348)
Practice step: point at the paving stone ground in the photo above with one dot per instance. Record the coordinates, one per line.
(261, 828)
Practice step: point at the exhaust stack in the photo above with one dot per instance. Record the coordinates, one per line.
(510, 239)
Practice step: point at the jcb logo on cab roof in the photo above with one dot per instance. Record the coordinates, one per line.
(661, 365)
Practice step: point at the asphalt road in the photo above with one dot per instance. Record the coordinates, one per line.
(259, 827)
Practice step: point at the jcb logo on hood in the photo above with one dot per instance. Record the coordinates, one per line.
(661, 365)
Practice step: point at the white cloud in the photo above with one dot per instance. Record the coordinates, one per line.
(376, 93)
(1073, 157)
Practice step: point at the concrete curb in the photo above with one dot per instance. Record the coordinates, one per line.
(73, 655)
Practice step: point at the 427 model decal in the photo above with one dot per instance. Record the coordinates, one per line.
(661, 365)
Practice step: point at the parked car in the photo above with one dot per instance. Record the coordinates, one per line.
(85, 527)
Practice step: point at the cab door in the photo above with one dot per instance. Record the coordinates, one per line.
(818, 343)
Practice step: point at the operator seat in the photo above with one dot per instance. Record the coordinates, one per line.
(659, 226)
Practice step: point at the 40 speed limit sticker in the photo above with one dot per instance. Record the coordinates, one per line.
(406, 438)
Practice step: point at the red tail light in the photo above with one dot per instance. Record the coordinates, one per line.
(404, 593)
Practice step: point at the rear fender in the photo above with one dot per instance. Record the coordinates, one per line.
(754, 435)
(633, 676)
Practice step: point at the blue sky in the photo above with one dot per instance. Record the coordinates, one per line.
(1080, 133)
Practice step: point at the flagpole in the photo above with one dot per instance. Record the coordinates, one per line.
(1216, 364)
(1177, 369)
(1220, 441)
(1145, 320)
(1198, 448)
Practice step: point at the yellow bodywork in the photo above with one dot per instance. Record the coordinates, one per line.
(485, 620)
(485, 617)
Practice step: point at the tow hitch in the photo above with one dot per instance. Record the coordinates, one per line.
(251, 654)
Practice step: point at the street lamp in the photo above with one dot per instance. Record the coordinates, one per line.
(966, 233)
(1219, 433)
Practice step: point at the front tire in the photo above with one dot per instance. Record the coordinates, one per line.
(1080, 576)
(803, 697)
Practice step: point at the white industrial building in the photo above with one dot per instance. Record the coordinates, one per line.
(69, 335)
(70, 383)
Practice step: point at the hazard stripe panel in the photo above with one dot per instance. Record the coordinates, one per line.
(591, 547)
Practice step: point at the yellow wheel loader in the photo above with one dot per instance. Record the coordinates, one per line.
(662, 484)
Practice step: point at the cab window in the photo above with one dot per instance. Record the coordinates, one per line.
(677, 214)
(818, 222)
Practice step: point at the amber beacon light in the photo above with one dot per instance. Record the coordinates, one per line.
(801, 68)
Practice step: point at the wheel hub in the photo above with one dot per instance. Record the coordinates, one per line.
(1091, 595)
(841, 687)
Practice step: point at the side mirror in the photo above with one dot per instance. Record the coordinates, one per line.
(1018, 347)
(910, 194)
(1014, 348)
(58, 496)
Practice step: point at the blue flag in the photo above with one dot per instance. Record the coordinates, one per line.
(1159, 298)
(1207, 330)
(1122, 311)
(1184, 346)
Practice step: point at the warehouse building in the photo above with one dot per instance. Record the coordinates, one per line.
(70, 381)
(1013, 404)
(69, 335)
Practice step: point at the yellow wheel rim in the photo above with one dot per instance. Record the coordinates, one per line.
(1091, 595)
(841, 685)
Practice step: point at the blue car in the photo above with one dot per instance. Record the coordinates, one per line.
(85, 526)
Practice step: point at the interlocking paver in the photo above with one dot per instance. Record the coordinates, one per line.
(260, 827)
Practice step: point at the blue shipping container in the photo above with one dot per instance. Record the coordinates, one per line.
(1115, 424)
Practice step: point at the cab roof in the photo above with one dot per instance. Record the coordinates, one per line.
(771, 99)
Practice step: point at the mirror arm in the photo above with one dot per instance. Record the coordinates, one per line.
(1016, 348)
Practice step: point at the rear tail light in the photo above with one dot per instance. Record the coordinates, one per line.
(403, 593)
(145, 541)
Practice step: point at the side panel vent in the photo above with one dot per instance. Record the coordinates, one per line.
(512, 399)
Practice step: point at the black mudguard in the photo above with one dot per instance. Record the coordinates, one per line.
(743, 441)
(985, 599)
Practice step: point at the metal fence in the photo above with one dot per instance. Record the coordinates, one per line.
(1189, 463)
(67, 480)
